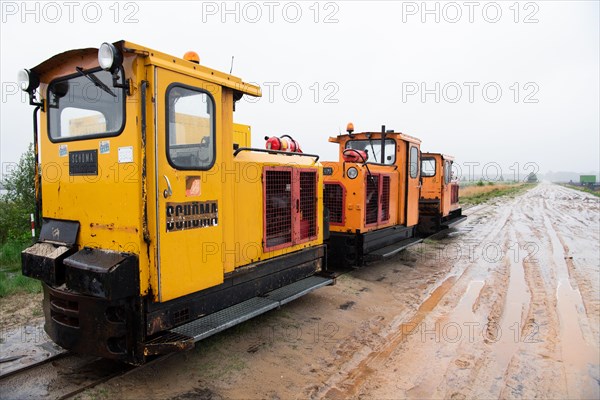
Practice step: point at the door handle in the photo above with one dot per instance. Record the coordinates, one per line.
(168, 191)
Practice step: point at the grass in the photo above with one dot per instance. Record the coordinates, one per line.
(11, 280)
(583, 189)
(477, 194)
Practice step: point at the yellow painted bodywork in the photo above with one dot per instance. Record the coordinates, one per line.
(403, 189)
(249, 226)
(123, 207)
(242, 135)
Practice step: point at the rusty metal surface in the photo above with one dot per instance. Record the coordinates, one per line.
(95, 326)
(43, 261)
(103, 273)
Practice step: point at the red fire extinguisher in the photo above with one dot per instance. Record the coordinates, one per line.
(283, 143)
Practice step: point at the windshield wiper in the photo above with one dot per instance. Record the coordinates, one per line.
(94, 79)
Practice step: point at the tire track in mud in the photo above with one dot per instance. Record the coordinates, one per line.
(579, 357)
(536, 336)
(355, 373)
(521, 350)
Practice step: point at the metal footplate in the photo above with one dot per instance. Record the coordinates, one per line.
(214, 323)
(393, 249)
(453, 222)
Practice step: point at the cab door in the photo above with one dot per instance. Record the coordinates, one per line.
(413, 184)
(446, 187)
(188, 189)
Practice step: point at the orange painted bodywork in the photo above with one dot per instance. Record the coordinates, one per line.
(439, 186)
(403, 190)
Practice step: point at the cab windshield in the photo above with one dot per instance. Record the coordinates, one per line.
(373, 150)
(85, 104)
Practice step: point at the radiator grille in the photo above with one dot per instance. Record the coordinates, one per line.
(372, 199)
(385, 199)
(278, 206)
(64, 311)
(454, 193)
(308, 204)
(333, 199)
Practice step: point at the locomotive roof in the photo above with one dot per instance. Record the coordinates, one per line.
(201, 71)
(445, 156)
(375, 136)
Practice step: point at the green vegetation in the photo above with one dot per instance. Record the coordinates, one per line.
(475, 197)
(583, 189)
(15, 229)
(12, 282)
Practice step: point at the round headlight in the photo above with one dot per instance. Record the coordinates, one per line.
(109, 57)
(28, 81)
(352, 172)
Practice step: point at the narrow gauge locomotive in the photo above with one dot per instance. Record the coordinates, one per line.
(160, 226)
(372, 194)
(438, 204)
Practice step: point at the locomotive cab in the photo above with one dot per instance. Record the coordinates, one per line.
(371, 194)
(439, 206)
(160, 226)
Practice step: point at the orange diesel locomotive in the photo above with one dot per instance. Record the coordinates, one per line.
(372, 194)
(438, 205)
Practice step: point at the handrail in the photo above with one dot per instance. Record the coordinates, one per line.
(285, 153)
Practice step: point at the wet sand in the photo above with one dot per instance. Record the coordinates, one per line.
(507, 306)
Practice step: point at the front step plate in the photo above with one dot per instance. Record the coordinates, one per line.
(214, 323)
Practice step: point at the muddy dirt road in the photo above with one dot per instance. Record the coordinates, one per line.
(507, 306)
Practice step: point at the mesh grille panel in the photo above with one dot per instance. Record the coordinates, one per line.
(372, 206)
(278, 207)
(334, 200)
(454, 193)
(308, 204)
(385, 199)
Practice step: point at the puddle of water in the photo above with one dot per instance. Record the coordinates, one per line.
(465, 306)
(579, 359)
(511, 324)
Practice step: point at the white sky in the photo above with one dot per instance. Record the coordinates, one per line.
(364, 65)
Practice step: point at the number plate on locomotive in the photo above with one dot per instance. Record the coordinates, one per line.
(83, 162)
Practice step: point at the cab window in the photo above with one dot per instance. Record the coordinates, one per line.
(85, 104)
(373, 150)
(447, 172)
(414, 162)
(190, 128)
(428, 167)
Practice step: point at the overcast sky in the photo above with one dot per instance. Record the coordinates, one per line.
(489, 82)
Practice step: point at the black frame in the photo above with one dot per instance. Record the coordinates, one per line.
(373, 141)
(94, 135)
(214, 126)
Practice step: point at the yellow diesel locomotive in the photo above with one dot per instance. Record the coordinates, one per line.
(160, 226)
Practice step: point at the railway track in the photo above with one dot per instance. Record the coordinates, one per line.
(63, 376)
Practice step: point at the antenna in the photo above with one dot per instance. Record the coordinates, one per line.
(231, 69)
